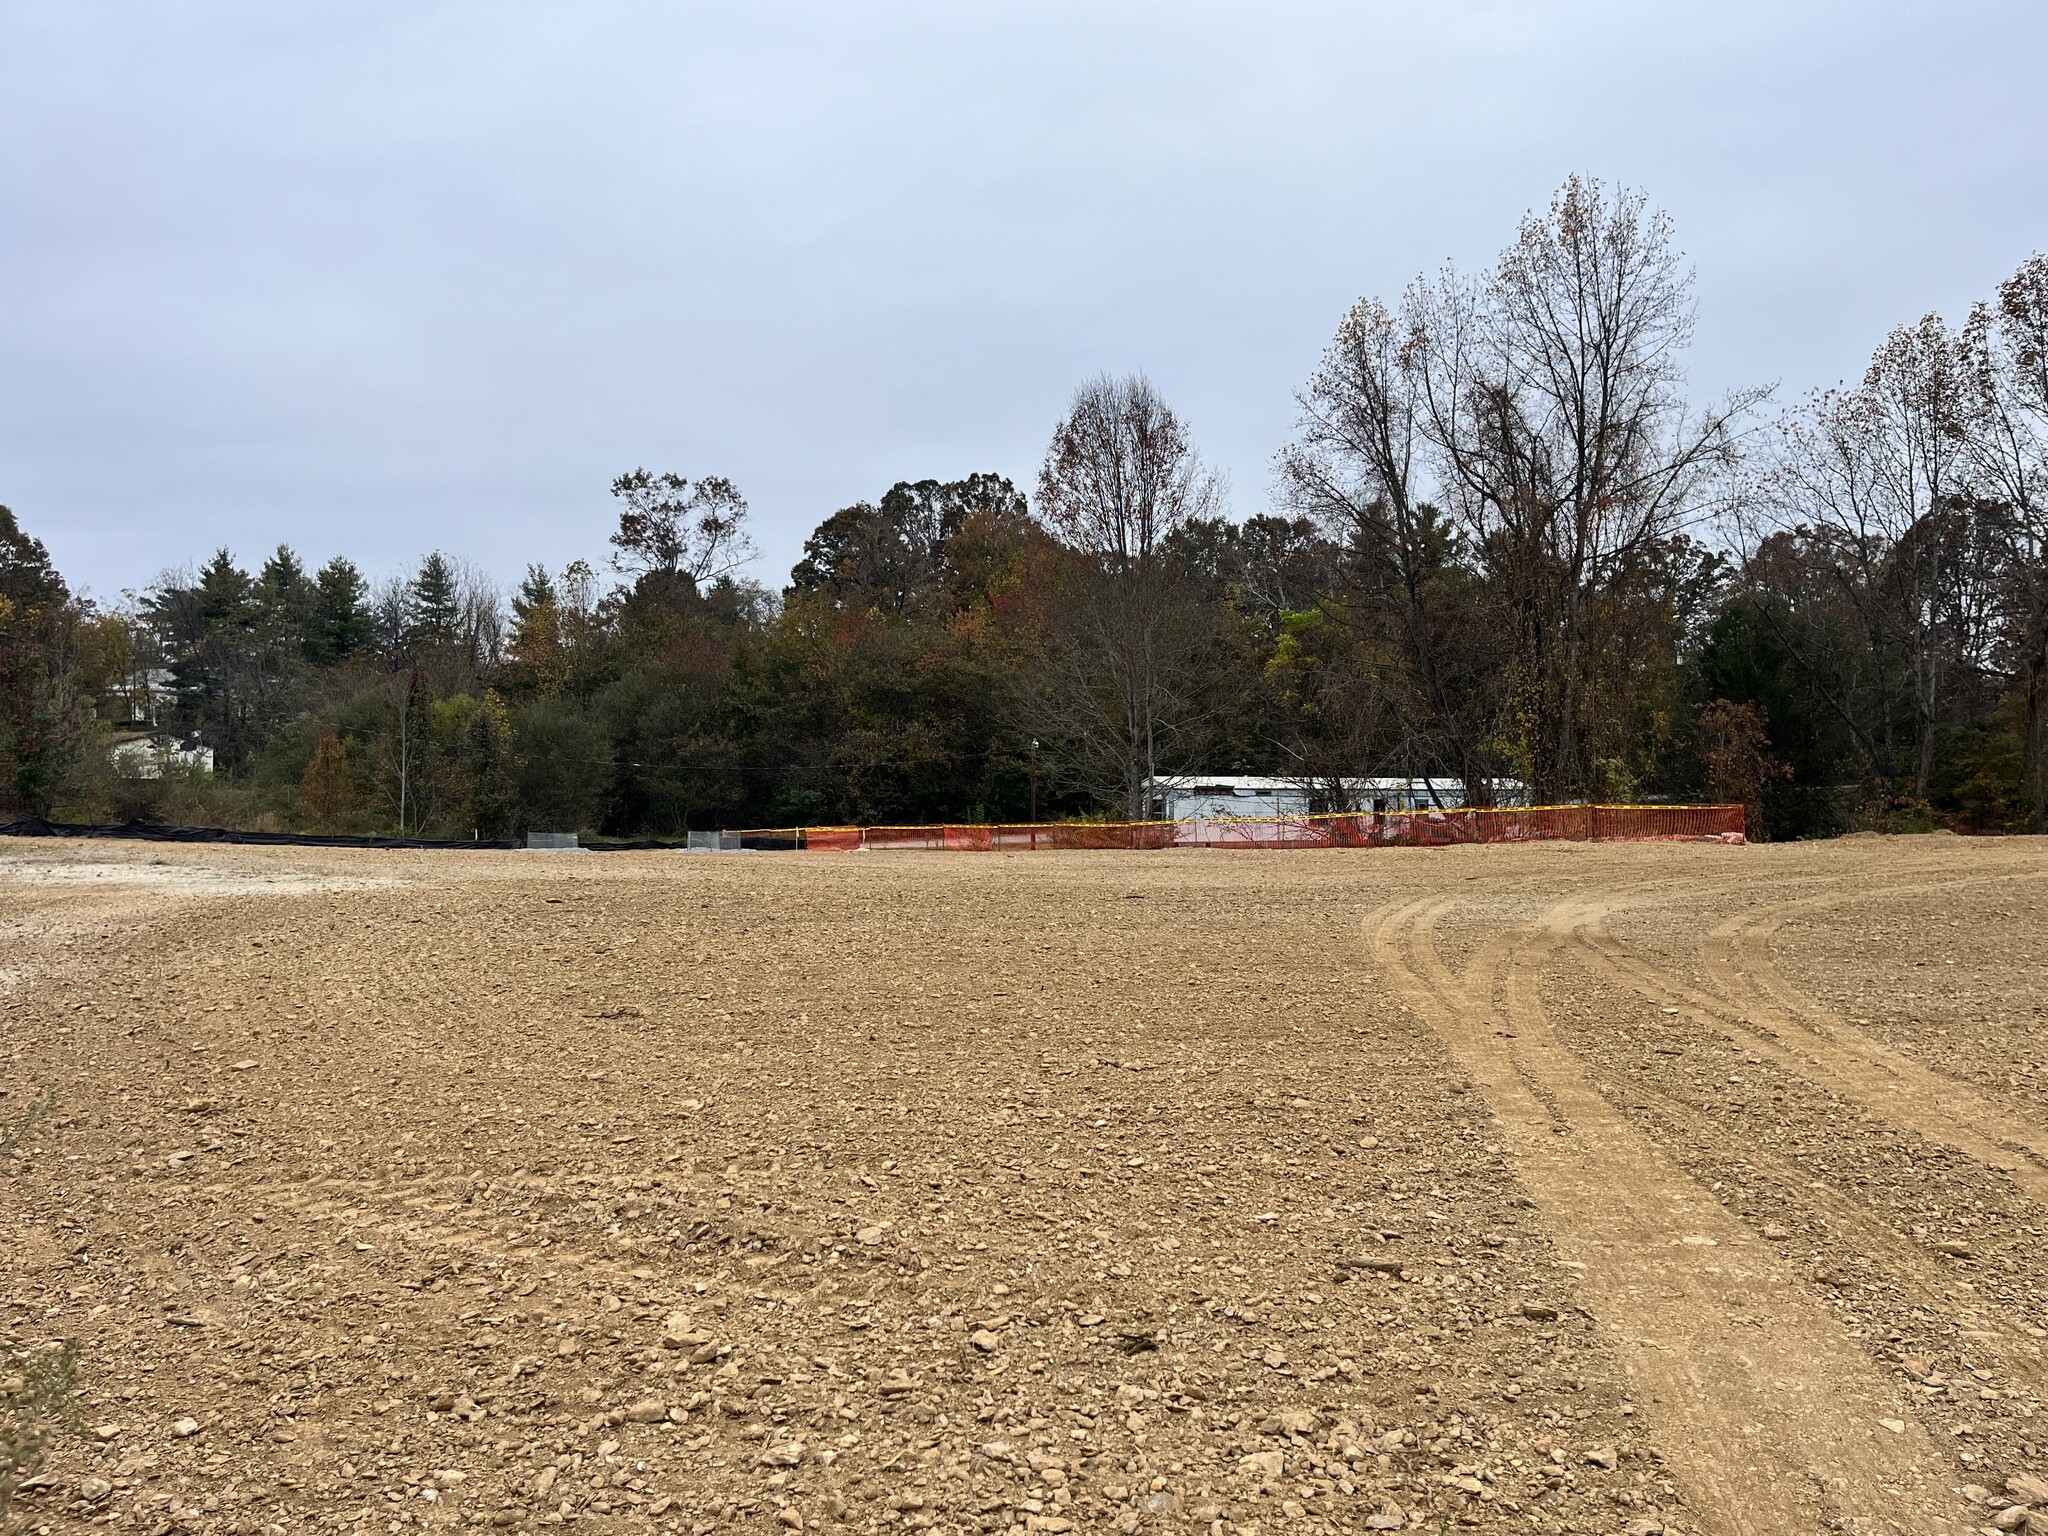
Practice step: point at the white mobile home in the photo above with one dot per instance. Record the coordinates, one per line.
(1204, 797)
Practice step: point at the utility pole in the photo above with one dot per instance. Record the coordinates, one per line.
(1034, 791)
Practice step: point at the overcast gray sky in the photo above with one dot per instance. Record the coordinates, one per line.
(375, 278)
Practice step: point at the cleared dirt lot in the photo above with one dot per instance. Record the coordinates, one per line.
(1602, 1189)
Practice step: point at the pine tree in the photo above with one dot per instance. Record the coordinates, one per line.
(537, 647)
(284, 596)
(282, 579)
(224, 594)
(435, 599)
(228, 688)
(536, 590)
(45, 719)
(341, 613)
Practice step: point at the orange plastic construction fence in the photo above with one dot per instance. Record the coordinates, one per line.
(1361, 829)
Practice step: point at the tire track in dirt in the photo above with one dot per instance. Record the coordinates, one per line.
(1738, 958)
(1824, 1049)
(1766, 1415)
(1924, 1283)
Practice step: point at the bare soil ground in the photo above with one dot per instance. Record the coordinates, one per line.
(1594, 1189)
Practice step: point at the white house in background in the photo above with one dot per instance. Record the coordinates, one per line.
(1202, 797)
(150, 757)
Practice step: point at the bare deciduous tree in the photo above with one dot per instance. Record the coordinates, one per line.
(1552, 394)
(1871, 483)
(1114, 684)
(1358, 466)
(2006, 351)
(1541, 406)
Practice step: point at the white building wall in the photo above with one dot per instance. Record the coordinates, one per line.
(1190, 797)
(149, 757)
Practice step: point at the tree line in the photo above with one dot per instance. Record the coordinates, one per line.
(1504, 546)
